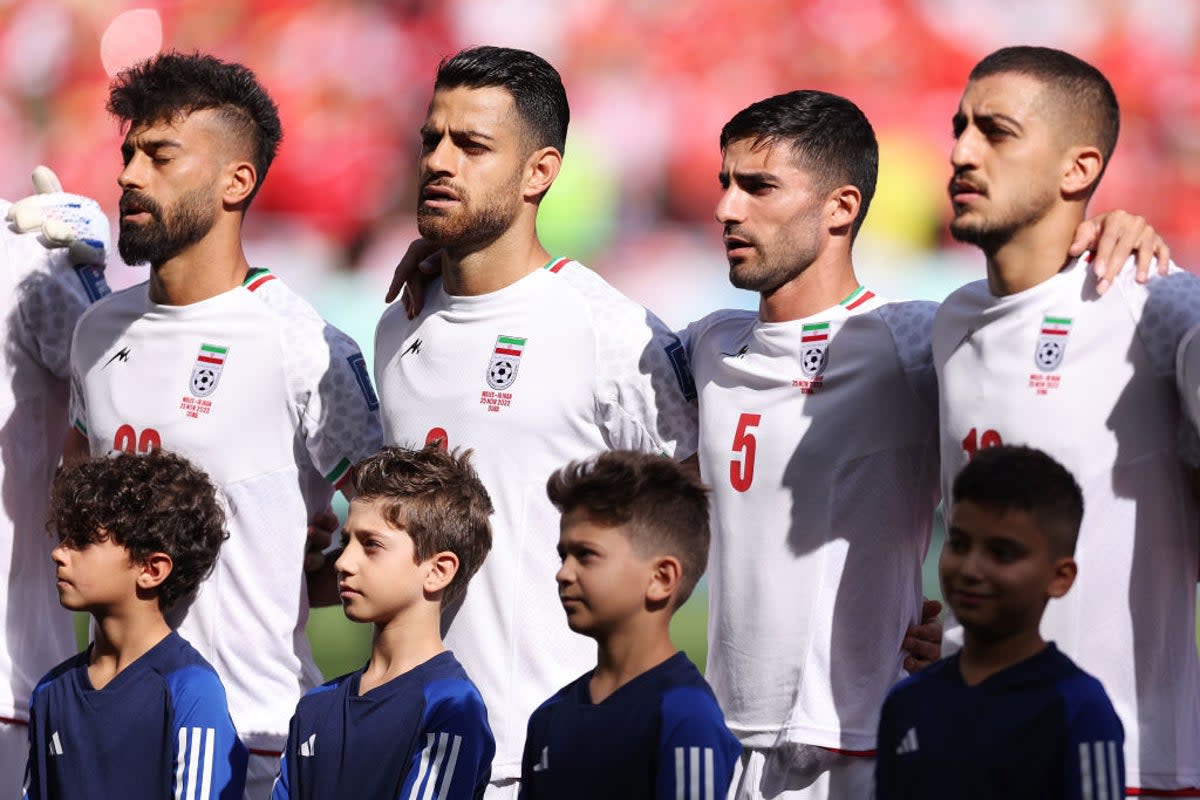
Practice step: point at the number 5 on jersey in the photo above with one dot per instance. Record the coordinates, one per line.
(741, 466)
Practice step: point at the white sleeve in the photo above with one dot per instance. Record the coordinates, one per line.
(646, 398)
(911, 325)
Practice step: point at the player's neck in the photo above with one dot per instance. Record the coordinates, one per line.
(823, 284)
(212, 266)
(1034, 254)
(503, 262)
(406, 641)
(122, 637)
(982, 657)
(626, 654)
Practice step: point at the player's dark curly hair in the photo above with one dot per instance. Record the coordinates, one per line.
(662, 506)
(1083, 101)
(153, 503)
(437, 498)
(1013, 478)
(830, 137)
(171, 84)
(535, 86)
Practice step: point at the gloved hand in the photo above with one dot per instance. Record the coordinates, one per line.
(63, 220)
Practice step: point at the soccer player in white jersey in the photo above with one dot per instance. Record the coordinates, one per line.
(532, 361)
(1032, 355)
(43, 294)
(226, 366)
(818, 436)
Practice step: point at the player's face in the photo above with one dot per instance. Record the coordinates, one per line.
(98, 576)
(169, 186)
(473, 153)
(1006, 160)
(378, 574)
(771, 210)
(998, 571)
(602, 581)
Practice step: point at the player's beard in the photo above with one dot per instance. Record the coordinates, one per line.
(989, 235)
(169, 232)
(786, 259)
(471, 225)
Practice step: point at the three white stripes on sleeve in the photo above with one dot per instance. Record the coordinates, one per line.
(194, 763)
(694, 781)
(438, 759)
(1098, 771)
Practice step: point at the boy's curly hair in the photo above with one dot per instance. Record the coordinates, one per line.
(153, 503)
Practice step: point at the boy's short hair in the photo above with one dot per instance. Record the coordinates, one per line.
(437, 498)
(1024, 479)
(158, 502)
(662, 507)
(173, 84)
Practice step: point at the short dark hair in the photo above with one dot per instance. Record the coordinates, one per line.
(172, 84)
(829, 136)
(1008, 478)
(1082, 95)
(437, 498)
(158, 502)
(535, 86)
(662, 507)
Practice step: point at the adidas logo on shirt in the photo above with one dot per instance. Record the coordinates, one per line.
(309, 748)
(694, 773)
(56, 748)
(908, 744)
(544, 763)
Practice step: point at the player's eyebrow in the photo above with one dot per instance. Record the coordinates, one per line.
(755, 177)
(456, 133)
(960, 120)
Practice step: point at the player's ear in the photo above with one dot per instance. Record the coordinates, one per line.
(541, 168)
(841, 208)
(154, 570)
(239, 181)
(443, 567)
(1065, 570)
(665, 574)
(1081, 170)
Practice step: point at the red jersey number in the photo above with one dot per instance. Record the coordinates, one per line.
(741, 471)
(437, 435)
(972, 443)
(128, 440)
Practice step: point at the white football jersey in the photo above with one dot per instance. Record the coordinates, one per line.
(553, 368)
(818, 437)
(1091, 381)
(255, 388)
(41, 298)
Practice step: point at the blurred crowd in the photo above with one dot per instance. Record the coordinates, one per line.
(650, 83)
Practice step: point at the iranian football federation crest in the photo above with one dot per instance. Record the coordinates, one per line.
(506, 358)
(206, 374)
(1051, 343)
(814, 341)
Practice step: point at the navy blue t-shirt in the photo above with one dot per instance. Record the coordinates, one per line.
(660, 735)
(1042, 728)
(422, 734)
(159, 729)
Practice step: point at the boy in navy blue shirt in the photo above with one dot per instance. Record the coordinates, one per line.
(644, 723)
(1008, 715)
(139, 714)
(409, 724)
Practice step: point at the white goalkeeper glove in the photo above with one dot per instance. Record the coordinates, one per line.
(63, 220)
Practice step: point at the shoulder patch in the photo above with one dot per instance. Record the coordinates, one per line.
(683, 373)
(359, 365)
(256, 278)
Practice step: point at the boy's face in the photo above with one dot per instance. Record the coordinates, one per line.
(998, 570)
(95, 576)
(378, 575)
(602, 582)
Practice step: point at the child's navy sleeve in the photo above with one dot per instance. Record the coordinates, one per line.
(885, 758)
(452, 758)
(210, 759)
(530, 756)
(282, 788)
(1093, 750)
(697, 753)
